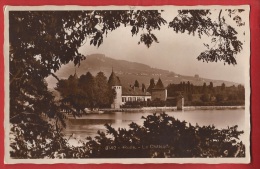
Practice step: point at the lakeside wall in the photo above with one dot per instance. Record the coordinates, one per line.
(172, 108)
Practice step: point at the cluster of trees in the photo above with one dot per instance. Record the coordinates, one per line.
(199, 95)
(86, 91)
(151, 86)
(137, 85)
(40, 42)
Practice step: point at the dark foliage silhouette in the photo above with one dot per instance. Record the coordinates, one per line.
(224, 40)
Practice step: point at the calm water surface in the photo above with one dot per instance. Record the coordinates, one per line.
(91, 123)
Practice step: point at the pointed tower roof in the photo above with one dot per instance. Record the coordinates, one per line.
(159, 85)
(114, 80)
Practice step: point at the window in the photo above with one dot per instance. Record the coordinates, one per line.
(123, 99)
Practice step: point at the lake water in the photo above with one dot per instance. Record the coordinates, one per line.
(91, 123)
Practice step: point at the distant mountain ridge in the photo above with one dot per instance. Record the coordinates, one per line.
(99, 62)
(128, 72)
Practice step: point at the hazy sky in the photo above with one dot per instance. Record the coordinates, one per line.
(174, 52)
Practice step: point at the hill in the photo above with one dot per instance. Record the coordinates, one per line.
(128, 72)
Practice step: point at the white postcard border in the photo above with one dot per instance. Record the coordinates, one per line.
(8, 160)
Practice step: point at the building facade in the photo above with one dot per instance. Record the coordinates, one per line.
(131, 94)
(159, 92)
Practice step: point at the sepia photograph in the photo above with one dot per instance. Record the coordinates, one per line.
(123, 84)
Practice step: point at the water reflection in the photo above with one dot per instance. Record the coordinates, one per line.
(91, 123)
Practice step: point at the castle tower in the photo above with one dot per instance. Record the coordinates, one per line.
(159, 91)
(115, 84)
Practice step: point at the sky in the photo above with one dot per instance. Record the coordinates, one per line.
(174, 52)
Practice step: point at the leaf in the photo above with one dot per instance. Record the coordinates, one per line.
(213, 40)
(133, 30)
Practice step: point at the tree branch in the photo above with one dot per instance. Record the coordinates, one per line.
(12, 80)
(56, 77)
(24, 113)
(219, 18)
(34, 124)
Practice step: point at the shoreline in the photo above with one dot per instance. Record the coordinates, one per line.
(187, 108)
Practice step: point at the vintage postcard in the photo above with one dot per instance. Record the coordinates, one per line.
(127, 84)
